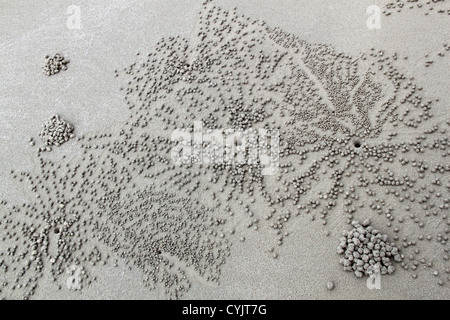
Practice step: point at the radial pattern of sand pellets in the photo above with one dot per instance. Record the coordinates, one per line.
(353, 131)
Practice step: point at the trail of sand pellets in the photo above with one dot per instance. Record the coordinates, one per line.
(358, 140)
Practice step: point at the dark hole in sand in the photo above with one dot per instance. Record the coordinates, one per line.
(357, 144)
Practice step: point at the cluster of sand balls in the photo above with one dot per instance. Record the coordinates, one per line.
(56, 131)
(366, 249)
(354, 132)
(338, 146)
(347, 139)
(55, 64)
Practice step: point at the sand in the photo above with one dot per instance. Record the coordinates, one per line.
(88, 95)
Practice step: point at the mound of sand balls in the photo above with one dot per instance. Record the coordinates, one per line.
(56, 131)
(55, 64)
(352, 129)
(366, 249)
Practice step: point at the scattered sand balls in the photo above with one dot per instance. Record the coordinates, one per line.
(365, 249)
(56, 131)
(426, 6)
(55, 64)
(353, 130)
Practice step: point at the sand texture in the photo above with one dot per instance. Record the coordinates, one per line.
(224, 149)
